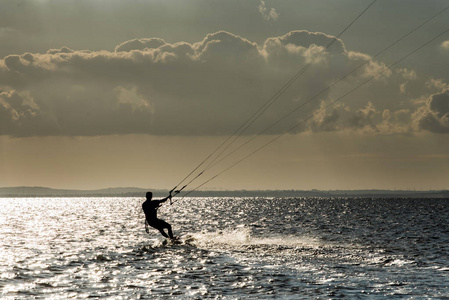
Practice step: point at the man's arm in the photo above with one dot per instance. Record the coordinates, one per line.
(163, 199)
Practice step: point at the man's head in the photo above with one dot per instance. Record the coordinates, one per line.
(149, 195)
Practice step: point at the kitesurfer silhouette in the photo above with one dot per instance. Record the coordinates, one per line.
(150, 209)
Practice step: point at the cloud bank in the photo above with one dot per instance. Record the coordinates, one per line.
(210, 87)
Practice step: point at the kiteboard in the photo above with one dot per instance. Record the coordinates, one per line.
(185, 239)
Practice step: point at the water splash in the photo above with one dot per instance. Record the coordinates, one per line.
(241, 236)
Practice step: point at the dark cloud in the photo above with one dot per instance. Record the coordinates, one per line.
(304, 38)
(18, 113)
(439, 104)
(225, 46)
(61, 50)
(342, 117)
(15, 63)
(140, 44)
(434, 117)
(204, 88)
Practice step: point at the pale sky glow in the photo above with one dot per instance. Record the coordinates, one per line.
(97, 94)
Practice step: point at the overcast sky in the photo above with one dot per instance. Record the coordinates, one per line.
(109, 93)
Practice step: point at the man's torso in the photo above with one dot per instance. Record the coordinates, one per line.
(150, 210)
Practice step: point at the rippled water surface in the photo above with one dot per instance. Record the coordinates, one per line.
(249, 248)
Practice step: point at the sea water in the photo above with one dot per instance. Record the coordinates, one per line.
(240, 248)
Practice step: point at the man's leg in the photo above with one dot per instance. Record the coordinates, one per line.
(161, 230)
(159, 225)
(170, 232)
(168, 226)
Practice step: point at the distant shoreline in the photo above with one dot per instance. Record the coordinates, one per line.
(22, 192)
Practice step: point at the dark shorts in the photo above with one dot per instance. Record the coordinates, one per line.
(158, 223)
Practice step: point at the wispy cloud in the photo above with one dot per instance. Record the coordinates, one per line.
(268, 14)
(445, 45)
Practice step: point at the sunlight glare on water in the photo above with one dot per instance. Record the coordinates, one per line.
(232, 248)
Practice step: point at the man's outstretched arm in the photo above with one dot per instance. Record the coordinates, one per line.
(164, 199)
